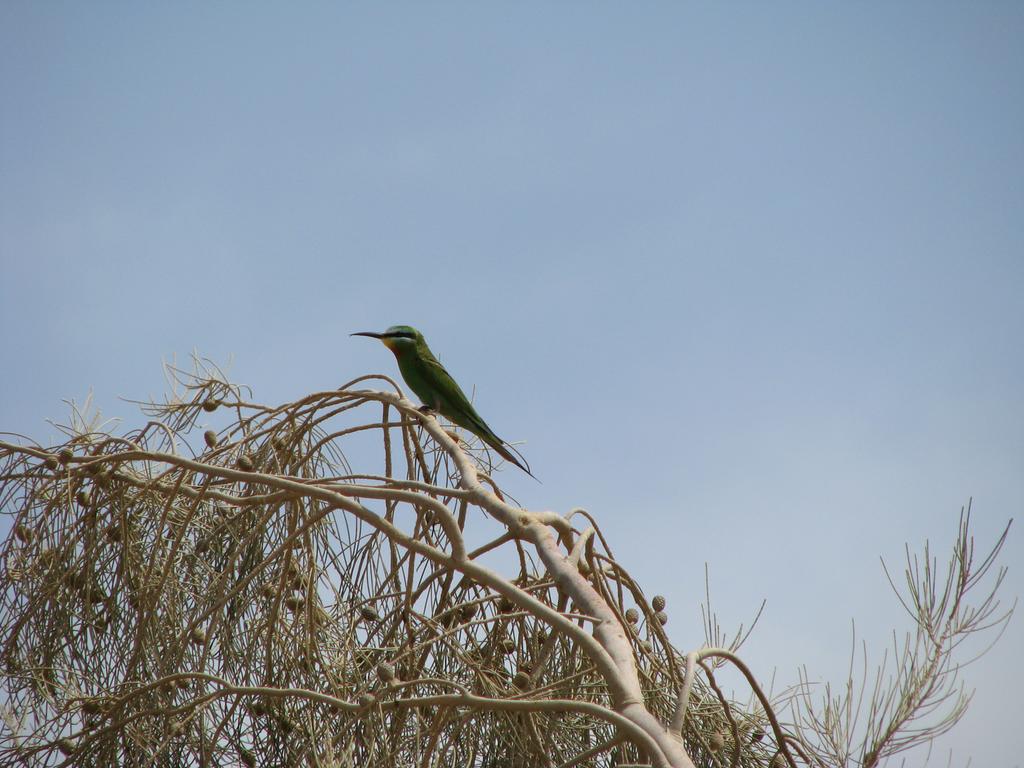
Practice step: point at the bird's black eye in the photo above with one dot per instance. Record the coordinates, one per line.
(403, 335)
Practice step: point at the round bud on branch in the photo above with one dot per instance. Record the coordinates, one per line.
(369, 613)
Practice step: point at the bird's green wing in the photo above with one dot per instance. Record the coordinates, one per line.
(456, 406)
(453, 401)
(437, 390)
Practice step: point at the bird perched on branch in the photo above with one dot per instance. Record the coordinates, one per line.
(437, 389)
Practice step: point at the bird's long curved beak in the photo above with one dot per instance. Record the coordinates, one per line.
(371, 334)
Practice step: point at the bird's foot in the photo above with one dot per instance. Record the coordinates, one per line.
(426, 410)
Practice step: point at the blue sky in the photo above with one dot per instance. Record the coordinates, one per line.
(747, 279)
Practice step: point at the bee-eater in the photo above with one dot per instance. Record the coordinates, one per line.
(437, 389)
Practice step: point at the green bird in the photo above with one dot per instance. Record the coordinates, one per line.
(437, 389)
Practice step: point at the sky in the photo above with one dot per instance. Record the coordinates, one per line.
(746, 279)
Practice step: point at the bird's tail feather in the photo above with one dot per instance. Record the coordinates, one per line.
(511, 455)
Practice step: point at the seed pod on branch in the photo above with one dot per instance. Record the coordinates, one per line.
(66, 746)
(369, 613)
